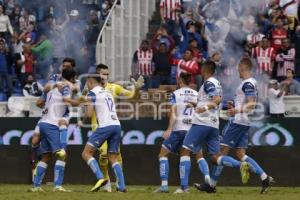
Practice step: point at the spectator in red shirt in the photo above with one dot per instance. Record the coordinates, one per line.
(169, 10)
(264, 56)
(187, 64)
(278, 34)
(25, 63)
(285, 60)
(142, 63)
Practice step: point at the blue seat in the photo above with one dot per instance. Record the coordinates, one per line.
(3, 97)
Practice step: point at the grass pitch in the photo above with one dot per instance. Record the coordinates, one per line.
(80, 192)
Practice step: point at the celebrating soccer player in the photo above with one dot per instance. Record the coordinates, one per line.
(101, 102)
(179, 124)
(236, 134)
(205, 131)
(56, 105)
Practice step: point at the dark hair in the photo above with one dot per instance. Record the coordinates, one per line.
(291, 70)
(146, 41)
(69, 74)
(210, 66)
(190, 50)
(70, 60)
(247, 62)
(101, 66)
(186, 78)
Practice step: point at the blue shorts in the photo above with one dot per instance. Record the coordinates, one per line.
(175, 141)
(235, 136)
(110, 133)
(200, 135)
(50, 138)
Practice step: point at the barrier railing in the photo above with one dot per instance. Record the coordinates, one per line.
(124, 28)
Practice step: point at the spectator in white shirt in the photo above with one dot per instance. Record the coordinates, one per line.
(276, 103)
(5, 25)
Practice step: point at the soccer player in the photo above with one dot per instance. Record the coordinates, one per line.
(205, 131)
(117, 91)
(101, 102)
(55, 108)
(236, 134)
(55, 80)
(179, 123)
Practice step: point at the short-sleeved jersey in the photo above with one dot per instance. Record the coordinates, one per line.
(248, 88)
(116, 91)
(55, 107)
(210, 88)
(105, 107)
(184, 114)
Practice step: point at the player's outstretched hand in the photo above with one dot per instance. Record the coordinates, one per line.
(139, 83)
(167, 134)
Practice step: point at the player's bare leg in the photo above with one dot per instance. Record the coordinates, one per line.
(87, 155)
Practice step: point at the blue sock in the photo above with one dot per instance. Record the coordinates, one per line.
(215, 174)
(203, 166)
(164, 170)
(59, 172)
(39, 174)
(184, 171)
(119, 174)
(63, 136)
(95, 168)
(255, 167)
(228, 161)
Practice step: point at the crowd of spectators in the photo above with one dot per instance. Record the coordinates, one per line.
(224, 31)
(36, 35)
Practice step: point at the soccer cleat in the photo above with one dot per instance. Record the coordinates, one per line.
(122, 191)
(245, 174)
(100, 183)
(266, 184)
(107, 187)
(162, 189)
(36, 189)
(205, 188)
(181, 191)
(60, 189)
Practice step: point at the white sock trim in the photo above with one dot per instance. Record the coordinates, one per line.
(62, 127)
(185, 158)
(244, 158)
(115, 164)
(263, 176)
(164, 183)
(219, 160)
(42, 164)
(60, 163)
(163, 158)
(90, 160)
(200, 160)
